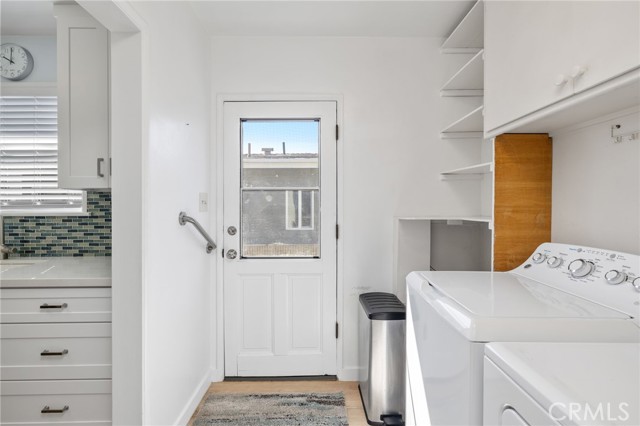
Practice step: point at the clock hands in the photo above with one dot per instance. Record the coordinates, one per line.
(4, 57)
(11, 56)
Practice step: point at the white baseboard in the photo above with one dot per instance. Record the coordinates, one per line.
(349, 374)
(190, 408)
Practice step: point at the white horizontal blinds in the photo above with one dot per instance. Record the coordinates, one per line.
(29, 156)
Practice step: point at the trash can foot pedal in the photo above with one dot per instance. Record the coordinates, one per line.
(392, 420)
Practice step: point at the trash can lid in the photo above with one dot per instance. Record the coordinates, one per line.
(382, 306)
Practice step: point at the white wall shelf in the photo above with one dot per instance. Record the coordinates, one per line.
(468, 37)
(469, 126)
(452, 220)
(468, 81)
(470, 172)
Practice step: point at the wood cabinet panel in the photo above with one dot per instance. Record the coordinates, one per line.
(522, 197)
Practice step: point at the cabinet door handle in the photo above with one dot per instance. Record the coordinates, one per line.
(48, 410)
(46, 352)
(100, 161)
(48, 306)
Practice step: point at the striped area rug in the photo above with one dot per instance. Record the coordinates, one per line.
(271, 409)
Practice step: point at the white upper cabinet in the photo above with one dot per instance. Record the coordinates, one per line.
(83, 100)
(540, 52)
(606, 38)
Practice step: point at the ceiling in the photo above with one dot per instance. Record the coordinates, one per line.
(391, 18)
(27, 17)
(370, 18)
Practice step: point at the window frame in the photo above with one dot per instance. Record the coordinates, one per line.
(38, 89)
(300, 227)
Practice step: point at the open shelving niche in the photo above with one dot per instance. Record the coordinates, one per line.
(451, 243)
(468, 81)
(455, 243)
(469, 126)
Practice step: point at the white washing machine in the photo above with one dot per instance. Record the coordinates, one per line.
(561, 384)
(562, 293)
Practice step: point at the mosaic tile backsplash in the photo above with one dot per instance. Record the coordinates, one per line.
(40, 236)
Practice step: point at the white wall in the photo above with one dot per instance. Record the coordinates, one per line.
(596, 186)
(176, 266)
(390, 146)
(43, 50)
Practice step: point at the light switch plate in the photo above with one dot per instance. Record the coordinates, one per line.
(203, 202)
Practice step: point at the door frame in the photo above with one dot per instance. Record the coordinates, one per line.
(217, 182)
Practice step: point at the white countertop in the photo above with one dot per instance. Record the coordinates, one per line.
(27, 272)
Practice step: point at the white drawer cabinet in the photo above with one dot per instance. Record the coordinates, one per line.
(55, 305)
(77, 402)
(55, 351)
(83, 99)
(538, 53)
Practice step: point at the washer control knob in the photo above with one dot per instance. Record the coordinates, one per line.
(636, 284)
(615, 277)
(580, 268)
(538, 258)
(554, 261)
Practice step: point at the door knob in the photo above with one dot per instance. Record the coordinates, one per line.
(232, 254)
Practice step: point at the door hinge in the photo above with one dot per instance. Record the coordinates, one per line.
(337, 328)
(337, 231)
(337, 132)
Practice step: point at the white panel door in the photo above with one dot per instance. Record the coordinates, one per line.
(280, 241)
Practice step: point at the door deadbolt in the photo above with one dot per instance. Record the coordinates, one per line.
(232, 254)
(232, 230)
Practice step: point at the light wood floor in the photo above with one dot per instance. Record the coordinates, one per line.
(353, 403)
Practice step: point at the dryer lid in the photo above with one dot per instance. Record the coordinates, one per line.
(576, 383)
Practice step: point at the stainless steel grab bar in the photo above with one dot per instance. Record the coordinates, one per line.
(183, 218)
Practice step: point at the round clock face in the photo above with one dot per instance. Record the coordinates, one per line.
(15, 62)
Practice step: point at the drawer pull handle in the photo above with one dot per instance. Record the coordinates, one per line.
(48, 410)
(48, 306)
(46, 352)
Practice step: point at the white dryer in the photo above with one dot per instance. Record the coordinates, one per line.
(562, 293)
(562, 384)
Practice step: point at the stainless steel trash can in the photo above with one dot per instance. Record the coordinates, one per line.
(382, 358)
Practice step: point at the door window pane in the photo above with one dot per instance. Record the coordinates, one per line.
(280, 180)
(280, 153)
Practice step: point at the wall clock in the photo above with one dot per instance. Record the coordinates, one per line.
(16, 62)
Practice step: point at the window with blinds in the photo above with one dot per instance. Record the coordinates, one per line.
(29, 158)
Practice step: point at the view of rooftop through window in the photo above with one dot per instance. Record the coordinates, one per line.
(280, 188)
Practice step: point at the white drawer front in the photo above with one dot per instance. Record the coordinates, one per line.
(55, 351)
(55, 305)
(88, 401)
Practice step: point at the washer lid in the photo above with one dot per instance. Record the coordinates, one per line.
(505, 295)
(576, 383)
(503, 307)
